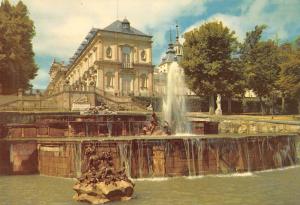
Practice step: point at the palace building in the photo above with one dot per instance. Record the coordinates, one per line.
(116, 60)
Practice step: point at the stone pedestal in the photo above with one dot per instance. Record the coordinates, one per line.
(101, 182)
(20, 99)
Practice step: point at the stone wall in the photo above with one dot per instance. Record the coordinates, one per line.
(297, 144)
(61, 101)
(32, 117)
(23, 157)
(61, 160)
(5, 165)
(150, 157)
(254, 127)
(185, 157)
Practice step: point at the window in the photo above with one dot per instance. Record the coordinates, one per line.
(126, 51)
(144, 82)
(109, 80)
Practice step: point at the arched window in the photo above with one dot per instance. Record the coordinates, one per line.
(144, 81)
(109, 80)
(126, 57)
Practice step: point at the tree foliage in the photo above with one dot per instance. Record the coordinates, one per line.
(208, 60)
(17, 66)
(261, 62)
(289, 76)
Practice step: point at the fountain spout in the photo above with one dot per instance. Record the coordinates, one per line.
(174, 105)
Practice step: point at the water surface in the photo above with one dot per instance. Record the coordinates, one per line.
(263, 188)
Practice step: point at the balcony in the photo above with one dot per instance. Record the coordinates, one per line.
(127, 65)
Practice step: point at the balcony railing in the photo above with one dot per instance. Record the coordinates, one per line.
(127, 65)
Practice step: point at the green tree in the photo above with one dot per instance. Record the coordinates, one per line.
(238, 84)
(297, 43)
(17, 66)
(207, 60)
(289, 76)
(261, 62)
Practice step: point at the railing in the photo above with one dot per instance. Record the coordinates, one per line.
(77, 129)
(44, 103)
(127, 65)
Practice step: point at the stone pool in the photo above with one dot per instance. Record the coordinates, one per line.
(273, 187)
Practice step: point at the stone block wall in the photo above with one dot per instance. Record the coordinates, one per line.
(153, 157)
(5, 165)
(190, 157)
(254, 127)
(23, 158)
(61, 160)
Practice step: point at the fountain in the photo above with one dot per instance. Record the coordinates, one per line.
(174, 106)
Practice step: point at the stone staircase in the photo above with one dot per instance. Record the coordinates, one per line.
(120, 103)
(7, 101)
(4, 99)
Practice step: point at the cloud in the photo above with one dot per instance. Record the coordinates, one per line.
(62, 25)
(280, 16)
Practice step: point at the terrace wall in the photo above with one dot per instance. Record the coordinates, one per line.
(179, 156)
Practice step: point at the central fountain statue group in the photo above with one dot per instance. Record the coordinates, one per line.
(100, 168)
(154, 123)
(101, 182)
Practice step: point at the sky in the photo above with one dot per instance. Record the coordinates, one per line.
(61, 25)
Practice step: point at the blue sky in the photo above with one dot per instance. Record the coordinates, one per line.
(61, 25)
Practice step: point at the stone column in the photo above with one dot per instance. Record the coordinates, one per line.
(137, 55)
(100, 51)
(136, 88)
(92, 96)
(117, 81)
(20, 99)
(66, 104)
(211, 104)
(20, 93)
(100, 79)
(150, 56)
(150, 83)
(38, 98)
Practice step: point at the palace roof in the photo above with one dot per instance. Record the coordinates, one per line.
(117, 26)
(124, 27)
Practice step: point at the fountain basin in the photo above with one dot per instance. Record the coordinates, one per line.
(152, 156)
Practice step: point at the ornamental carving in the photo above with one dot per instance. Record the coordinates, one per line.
(143, 55)
(109, 52)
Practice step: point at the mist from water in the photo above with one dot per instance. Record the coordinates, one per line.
(174, 104)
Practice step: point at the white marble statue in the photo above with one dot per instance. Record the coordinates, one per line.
(150, 108)
(218, 111)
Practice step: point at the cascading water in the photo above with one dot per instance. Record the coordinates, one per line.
(140, 157)
(125, 150)
(174, 105)
(190, 155)
(77, 160)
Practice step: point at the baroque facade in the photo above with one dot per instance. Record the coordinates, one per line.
(57, 77)
(116, 60)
